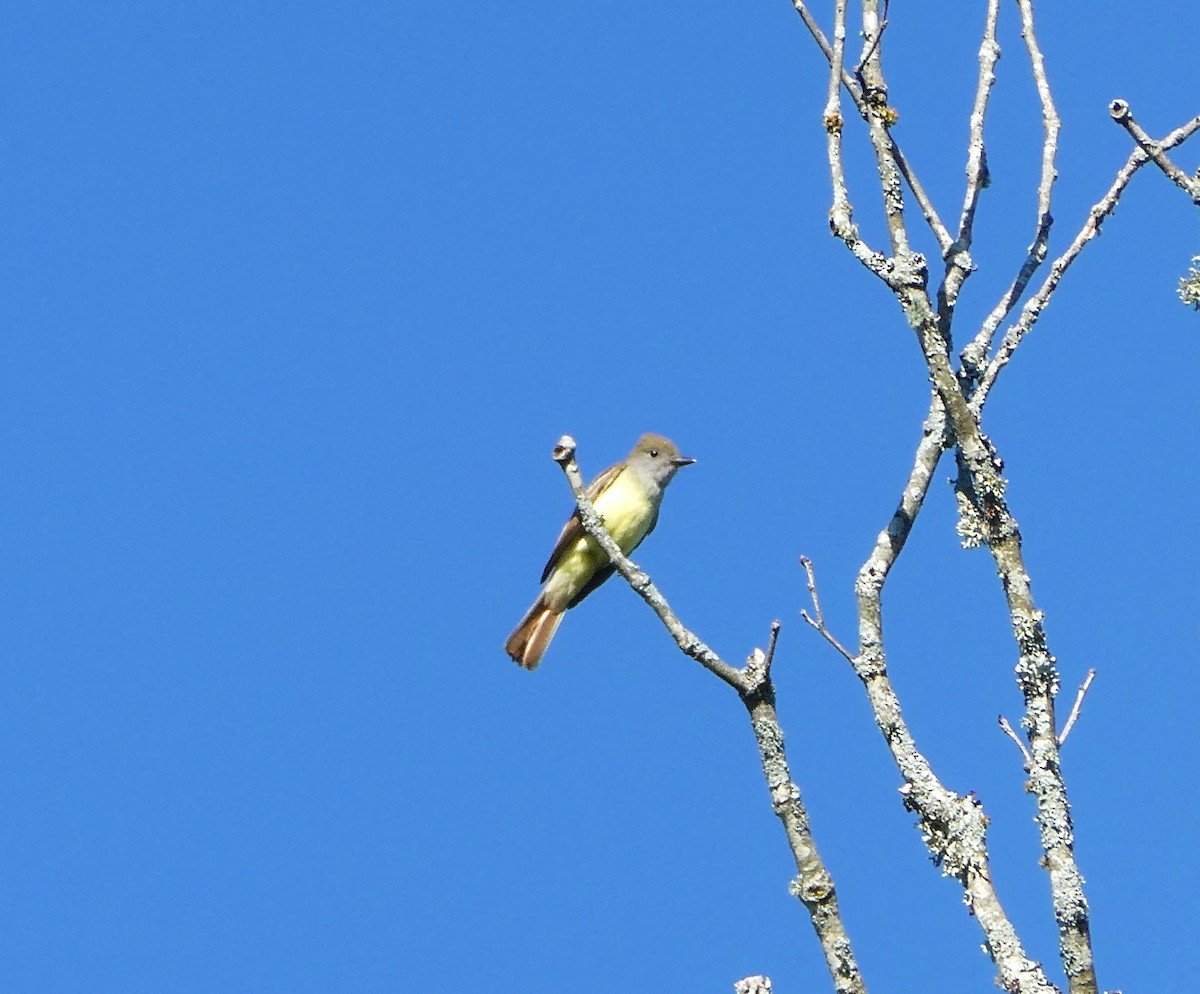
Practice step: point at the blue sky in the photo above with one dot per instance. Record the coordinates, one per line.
(297, 299)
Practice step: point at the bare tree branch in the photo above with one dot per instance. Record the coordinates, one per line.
(871, 42)
(940, 232)
(1077, 706)
(1091, 227)
(977, 170)
(1119, 109)
(879, 117)
(953, 826)
(981, 492)
(813, 885)
(840, 215)
(817, 619)
(959, 265)
(770, 657)
(981, 496)
(1050, 124)
(974, 355)
(1008, 730)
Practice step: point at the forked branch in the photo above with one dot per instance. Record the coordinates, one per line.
(1091, 228)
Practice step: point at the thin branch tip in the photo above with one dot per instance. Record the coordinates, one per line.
(812, 589)
(770, 657)
(1011, 733)
(817, 618)
(1077, 707)
(564, 450)
(1155, 151)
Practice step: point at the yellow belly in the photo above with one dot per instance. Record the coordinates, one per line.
(628, 513)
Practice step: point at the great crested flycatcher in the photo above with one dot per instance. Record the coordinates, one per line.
(626, 496)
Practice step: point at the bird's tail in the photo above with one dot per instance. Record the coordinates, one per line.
(528, 643)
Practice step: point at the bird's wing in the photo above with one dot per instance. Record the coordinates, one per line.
(573, 530)
(605, 571)
(597, 578)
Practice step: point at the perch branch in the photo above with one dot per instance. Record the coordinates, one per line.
(813, 885)
(688, 642)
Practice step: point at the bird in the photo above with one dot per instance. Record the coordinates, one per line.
(627, 496)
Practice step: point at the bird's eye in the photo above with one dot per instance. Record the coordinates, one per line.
(654, 453)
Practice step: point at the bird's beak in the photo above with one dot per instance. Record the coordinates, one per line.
(682, 461)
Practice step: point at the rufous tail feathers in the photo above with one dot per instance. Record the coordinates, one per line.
(529, 642)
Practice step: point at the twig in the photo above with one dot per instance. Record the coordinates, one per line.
(1091, 227)
(1119, 109)
(959, 265)
(770, 657)
(977, 170)
(872, 43)
(1075, 708)
(974, 355)
(1050, 124)
(877, 117)
(819, 621)
(812, 589)
(1008, 730)
(840, 215)
(940, 232)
